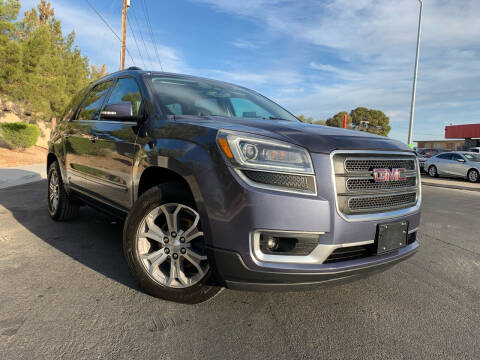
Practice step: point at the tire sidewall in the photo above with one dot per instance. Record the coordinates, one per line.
(160, 195)
(473, 171)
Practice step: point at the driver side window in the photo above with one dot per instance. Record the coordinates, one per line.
(126, 90)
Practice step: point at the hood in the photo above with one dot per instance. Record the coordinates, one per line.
(316, 138)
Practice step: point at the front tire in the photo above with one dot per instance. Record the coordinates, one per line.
(432, 171)
(164, 246)
(473, 176)
(60, 206)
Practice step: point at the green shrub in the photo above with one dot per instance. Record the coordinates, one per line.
(20, 135)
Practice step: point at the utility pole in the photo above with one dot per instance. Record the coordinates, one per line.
(414, 91)
(126, 5)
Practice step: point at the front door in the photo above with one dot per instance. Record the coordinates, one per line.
(114, 147)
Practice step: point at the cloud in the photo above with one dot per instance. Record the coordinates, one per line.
(369, 47)
(244, 44)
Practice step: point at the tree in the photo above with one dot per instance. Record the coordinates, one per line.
(370, 120)
(98, 72)
(337, 120)
(363, 119)
(304, 119)
(40, 68)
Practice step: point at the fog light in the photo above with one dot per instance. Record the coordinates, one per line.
(272, 243)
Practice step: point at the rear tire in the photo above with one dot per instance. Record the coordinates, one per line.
(168, 265)
(473, 176)
(432, 171)
(60, 206)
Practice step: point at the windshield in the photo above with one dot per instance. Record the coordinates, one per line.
(198, 97)
(472, 157)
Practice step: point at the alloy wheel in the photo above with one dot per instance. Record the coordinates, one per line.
(432, 171)
(473, 176)
(170, 246)
(53, 191)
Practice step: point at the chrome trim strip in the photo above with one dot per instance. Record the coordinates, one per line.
(379, 215)
(130, 123)
(413, 230)
(239, 172)
(317, 256)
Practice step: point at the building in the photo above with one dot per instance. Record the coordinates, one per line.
(441, 144)
(469, 132)
(457, 137)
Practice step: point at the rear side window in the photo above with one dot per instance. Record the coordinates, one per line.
(126, 90)
(92, 104)
(456, 157)
(446, 156)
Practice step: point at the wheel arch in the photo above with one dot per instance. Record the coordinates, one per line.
(156, 175)
(51, 157)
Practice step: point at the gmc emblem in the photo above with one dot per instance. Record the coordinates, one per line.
(381, 175)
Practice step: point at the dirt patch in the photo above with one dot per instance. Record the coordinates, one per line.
(33, 155)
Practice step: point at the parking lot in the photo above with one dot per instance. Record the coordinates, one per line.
(66, 292)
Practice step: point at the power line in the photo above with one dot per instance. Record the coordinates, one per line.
(141, 35)
(136, 43)
(147, 18)
(111, 29)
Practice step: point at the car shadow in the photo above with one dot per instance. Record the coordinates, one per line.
(93, 239)
(13, 176)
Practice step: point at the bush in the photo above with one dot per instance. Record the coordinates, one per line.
(20, 135)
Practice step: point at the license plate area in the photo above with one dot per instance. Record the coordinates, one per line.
(391, 236)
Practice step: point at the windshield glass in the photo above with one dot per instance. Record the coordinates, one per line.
(198, 97)
(472, 157)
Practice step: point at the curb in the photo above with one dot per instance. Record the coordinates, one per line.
(451, 186)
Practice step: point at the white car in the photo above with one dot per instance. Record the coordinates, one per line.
(455, 164)
(474, 149)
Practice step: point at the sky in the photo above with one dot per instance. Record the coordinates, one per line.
(314, 57)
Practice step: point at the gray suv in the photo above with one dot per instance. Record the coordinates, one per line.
(221, 187)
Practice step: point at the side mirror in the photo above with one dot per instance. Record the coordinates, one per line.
(460, 160)
(120, 111)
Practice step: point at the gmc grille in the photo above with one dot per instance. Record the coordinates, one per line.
(359, 193)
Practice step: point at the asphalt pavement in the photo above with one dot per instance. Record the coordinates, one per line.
(66, 292)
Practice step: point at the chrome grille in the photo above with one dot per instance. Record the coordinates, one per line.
(359, 184)
(356, 165)
(359, 193)
(382, 202)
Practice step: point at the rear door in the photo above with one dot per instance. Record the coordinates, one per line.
(115, 148)
(79, 144)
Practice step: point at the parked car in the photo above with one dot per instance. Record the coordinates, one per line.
(426, 153)
(219, 186)
(455, 164)
(474, 149)
(421, 161)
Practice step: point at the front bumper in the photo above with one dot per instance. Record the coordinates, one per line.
(237, 275)
(235, 210)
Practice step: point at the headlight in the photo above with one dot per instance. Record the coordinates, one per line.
(255, 152)
(268, 163)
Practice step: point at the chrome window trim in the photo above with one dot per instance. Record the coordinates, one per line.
(318, 255)
(130, 123)
(378, 215)
(244, 178)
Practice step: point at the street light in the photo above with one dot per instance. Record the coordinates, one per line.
(412, 108)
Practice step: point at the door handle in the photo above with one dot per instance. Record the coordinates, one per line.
(93, 138)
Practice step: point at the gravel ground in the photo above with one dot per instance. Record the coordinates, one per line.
(65, 292)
